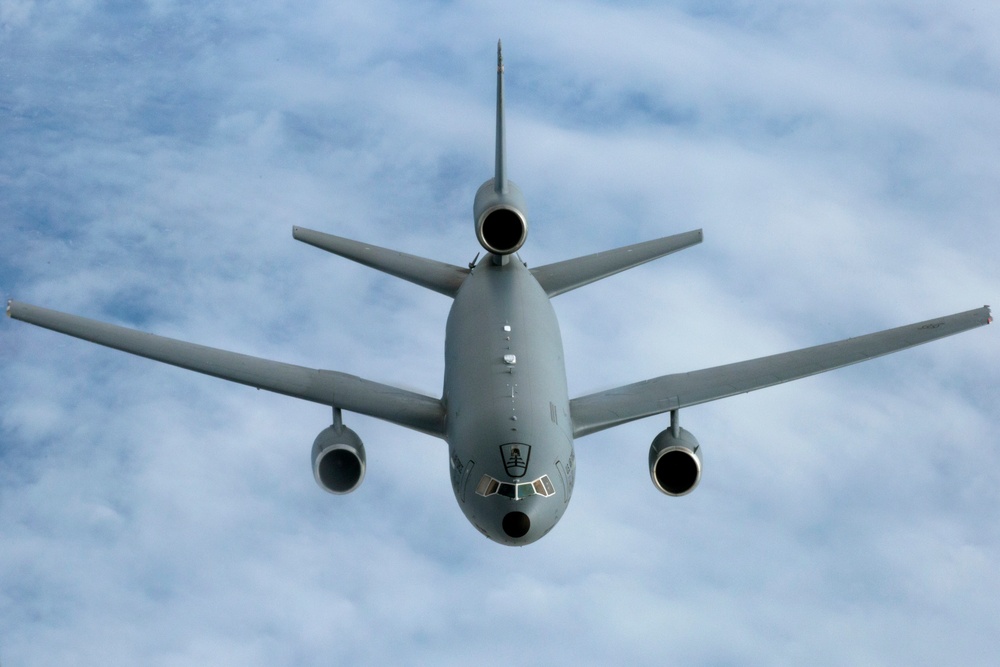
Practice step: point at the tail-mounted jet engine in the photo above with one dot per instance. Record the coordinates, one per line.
(338, 459)
(675, 462)
(501, 224)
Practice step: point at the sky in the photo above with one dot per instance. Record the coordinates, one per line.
(842, 158)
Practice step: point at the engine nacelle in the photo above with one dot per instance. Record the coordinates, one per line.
(501, 222)
(338, 459)
(675, 463)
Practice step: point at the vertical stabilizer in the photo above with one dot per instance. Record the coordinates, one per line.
(500, 179)
(499, 211)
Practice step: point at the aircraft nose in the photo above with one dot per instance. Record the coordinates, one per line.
(516, 524)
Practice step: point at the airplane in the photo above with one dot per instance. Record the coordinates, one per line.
(505, 411)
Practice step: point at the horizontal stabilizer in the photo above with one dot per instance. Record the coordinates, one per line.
(434, 275)
(572, 273)
(605, 409)
(340, 390)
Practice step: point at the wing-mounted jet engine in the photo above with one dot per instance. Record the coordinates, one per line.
(499, 209)
(675, 460)
(338, 458)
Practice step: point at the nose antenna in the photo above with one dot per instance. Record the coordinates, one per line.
(500, 179)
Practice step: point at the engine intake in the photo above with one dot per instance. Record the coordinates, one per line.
(338, 459)
(501, 224)
(675, 462)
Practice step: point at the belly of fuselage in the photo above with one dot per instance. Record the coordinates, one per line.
(508, 428)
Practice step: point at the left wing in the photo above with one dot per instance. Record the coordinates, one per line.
(340, 390)
(605, 409)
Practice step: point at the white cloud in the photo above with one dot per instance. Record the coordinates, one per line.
(842, 160)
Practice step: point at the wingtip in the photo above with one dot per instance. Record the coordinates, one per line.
(499, 55)
(9, 302)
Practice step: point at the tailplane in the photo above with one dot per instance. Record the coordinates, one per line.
(429, 273)
(572, 273)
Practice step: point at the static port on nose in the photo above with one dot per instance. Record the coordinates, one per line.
(516, 524)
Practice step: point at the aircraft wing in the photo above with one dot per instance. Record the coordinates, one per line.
(349, 392)
(605, 409)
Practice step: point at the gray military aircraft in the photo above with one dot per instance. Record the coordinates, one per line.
(505, 411)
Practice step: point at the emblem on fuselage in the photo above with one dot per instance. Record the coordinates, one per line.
(515, 458)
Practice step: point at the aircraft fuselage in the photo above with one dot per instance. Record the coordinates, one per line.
(508, 423)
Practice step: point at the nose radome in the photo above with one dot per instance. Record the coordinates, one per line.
(516, 524)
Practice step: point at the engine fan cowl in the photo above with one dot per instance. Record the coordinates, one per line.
(338, 459)
(501, 221)
(675, 462)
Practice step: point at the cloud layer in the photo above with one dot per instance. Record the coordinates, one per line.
(842, 161)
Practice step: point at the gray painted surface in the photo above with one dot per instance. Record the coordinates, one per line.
(505, 383)
(605, 409)
(434, 275)
(348, 392)
(564, 276)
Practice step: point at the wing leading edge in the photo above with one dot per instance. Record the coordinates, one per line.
(605, 409)
(349, 392)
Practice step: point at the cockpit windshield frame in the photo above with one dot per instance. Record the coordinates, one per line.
(490, 486)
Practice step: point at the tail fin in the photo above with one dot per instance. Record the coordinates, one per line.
(499, 210)
(500, 179)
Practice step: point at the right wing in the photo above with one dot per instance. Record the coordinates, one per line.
(605, 409)
(339, 390)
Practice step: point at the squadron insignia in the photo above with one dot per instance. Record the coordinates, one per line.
(515, 458)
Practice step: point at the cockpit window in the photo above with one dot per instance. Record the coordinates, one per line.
(542, 487)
